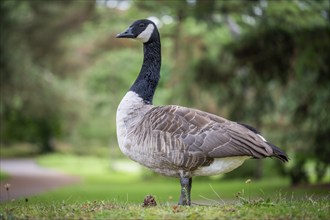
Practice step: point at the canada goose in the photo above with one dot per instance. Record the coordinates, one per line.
(178, 141)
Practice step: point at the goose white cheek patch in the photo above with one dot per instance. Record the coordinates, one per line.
(146, 34)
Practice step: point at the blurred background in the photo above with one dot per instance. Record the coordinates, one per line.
(260, 62)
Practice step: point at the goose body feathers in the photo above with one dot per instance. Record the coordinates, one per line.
(169, 139)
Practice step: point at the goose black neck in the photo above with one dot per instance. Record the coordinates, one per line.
(147, 81)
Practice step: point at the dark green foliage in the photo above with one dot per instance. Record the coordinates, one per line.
(32, 97)
(283, 59)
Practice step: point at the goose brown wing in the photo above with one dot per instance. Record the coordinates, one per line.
(207, 135)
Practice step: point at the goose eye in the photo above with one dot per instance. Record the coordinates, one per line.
(141, 25)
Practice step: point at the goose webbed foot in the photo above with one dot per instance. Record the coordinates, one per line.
(185, 191)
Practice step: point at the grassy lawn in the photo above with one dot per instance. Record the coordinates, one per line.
(305, 209)
(115, 189)
(3, 176)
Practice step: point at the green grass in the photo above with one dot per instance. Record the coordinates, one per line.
(18, 151)
(126, 181)
(115, 189)
(261, 209)
(3, 176)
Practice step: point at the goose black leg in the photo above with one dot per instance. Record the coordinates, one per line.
(185, 190)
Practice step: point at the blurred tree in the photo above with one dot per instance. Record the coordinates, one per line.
(279, 56)
(32, 86)
(283, 51)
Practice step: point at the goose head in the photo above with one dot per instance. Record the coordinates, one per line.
(143, 30)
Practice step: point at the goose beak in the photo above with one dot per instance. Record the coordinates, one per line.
(126, 34)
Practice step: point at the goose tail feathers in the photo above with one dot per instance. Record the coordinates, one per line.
(278, 153)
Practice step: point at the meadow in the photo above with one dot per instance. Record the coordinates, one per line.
(115, 189)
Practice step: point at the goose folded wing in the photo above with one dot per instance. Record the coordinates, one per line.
(205, 133)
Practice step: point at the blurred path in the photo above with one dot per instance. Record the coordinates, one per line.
(28, 178)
